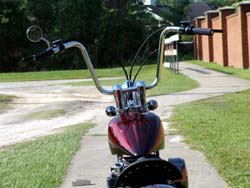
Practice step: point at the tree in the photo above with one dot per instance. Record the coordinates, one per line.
(171, 3)
(111, 35)
(123, 32)
(12, 31)
(175, 9)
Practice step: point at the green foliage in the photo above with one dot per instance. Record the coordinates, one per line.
(123, 33)
(172, 3)
(42, 13)
(187, 38)
(13, 24)
(176, 9)
(80, 21)
(110, 35)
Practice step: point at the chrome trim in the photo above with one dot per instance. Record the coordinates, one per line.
(46, 41)
(89, 65)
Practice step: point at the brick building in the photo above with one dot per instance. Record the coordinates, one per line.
(232, 47)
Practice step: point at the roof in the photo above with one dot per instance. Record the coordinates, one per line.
(158, 13)
(197, 9)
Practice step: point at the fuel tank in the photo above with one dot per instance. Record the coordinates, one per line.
(135, 134)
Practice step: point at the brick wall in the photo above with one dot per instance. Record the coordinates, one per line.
(232, 48)
(234, 41)
(224, 12)
(245, 9)
(198, 40)
(248, 35)
(207, 42)
(204, 43)
(217, 41)
(238, 37)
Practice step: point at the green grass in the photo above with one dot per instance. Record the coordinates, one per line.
(4, 102)
(103, 82)
(241, 73)
(219, 127)
(169, 82)
(57, 75)
(42, 162)
(46, 114)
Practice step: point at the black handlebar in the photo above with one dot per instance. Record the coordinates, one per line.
(43, 54)
(39, 56)
(30, 58)
(188, 29)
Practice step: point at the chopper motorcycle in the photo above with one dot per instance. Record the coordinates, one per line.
(135, 134)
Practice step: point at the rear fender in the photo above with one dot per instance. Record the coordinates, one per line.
(179, 163)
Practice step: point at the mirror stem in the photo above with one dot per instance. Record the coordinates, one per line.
(46, 41)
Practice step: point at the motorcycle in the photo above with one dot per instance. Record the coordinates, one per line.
(135, 134)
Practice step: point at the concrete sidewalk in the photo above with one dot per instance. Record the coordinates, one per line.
(93, 160)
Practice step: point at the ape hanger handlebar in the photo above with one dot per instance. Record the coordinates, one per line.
(58, 46)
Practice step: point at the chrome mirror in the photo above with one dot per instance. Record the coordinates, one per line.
(35, 34)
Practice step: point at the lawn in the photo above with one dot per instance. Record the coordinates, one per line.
(42, 162)
(241, 73)
(65, 74)
(219, 127)
(57, 75)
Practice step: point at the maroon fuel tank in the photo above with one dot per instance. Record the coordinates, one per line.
(135, 134)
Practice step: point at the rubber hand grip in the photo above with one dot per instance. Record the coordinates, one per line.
(43, 54)
(202, 31)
